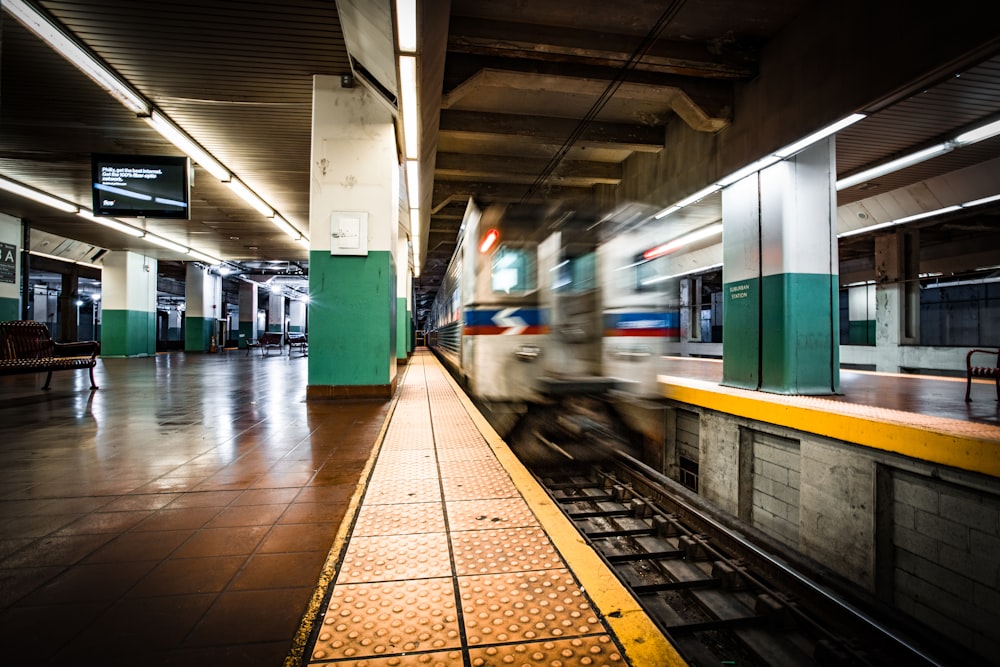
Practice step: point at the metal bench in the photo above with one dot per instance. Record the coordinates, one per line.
(981, 371)
(266, 341)
(27, 347)
(298, 340)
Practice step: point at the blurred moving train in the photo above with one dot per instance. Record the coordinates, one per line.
(545, 307)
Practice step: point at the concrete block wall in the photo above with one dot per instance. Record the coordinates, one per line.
(927, 540)
(946, 558)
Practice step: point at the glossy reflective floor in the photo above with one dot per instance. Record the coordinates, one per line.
(179, 515)
(931, 396)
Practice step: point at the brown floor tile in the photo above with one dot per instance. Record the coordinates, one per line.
(300, 512)
(56, 550)
(299, 537)
(330, 493)
(141, 501)
(150, 545)
(178, 519)
(205, 499)
(18, 582)
(248, 515)
(267, 496)
(252, 616)
(104, 522)
(186, 576)
(36, 526)
(222, 542)
(101, 582)
(287, 570)
(26, 633)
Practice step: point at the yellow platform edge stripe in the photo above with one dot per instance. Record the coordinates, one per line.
(955, 450)
(642, 641)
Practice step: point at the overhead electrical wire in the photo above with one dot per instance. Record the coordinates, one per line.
(640, 52)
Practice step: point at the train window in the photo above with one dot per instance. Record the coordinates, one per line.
(650, 274)
(576, 274)
(513, 270)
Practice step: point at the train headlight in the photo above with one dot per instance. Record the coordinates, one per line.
(527, 352)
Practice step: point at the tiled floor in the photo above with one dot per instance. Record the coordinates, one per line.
(180, 515)
(446, 563)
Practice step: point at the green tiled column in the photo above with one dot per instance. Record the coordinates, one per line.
(780, 294)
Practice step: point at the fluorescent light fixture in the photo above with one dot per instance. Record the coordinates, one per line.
(700, 269)
(751, 168)
(413, 182)
(179, 138)
(202, 257)
(406, 25)
(899, 221)
(111, 223)
(895, 165)
(165, 243)
(978, 202)
(37, 195)
(247, 195)
(415, 239)
(65, 259)
(304, 242)
(805, 142)
(408, 99)
(978, 134)
(690, 199)
(680, 242)
(284, 226)
(70, 49)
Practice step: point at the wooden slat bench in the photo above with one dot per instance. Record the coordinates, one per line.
(27, 347)
(266, 341)
(298, 340)
(981, 371)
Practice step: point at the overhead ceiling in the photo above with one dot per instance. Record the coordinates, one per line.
(545, 98)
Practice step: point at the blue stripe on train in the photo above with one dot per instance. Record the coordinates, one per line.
(626, 321)
(503, 317)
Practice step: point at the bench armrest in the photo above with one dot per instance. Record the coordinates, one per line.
(968, 357)
(80, 349)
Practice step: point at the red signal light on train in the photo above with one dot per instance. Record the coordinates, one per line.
(489, 240)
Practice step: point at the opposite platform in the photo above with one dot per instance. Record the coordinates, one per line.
(457, 557)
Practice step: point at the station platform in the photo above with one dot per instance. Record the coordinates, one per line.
(457, 557)
(918, 416)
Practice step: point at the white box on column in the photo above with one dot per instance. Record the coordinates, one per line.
(349, 233)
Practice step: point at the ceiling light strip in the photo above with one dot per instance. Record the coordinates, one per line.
(178, 138)
(37, 195)
(64, 259)
(67, 46)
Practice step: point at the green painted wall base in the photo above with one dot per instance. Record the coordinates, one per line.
(128, 333)
(245, 334)
(10, 310)
(402, 329)
(352, 326)
(796, 348)
(198, 334)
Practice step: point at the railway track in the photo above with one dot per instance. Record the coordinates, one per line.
(720, 598)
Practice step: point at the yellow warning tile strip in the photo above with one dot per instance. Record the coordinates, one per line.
(967, 446)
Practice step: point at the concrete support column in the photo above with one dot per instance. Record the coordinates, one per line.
(276, 312)
(10, 268)
(781, 304)
(128, 305)
(203, 299)
(897, 296)
(404, 302)
(353, 226)
(296, 316)
(248, 313)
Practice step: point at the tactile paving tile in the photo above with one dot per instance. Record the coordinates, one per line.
(422, 470)
(388, 618)
(489, 514)
(519, 606)
(476, 488)
(390, 492)
(471, 468)
(440, 659)
(593, 651)
(401, 519)
(483, 453)
(395, 557)
(406, 457)
(498, 551)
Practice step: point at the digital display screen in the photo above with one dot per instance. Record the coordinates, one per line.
(149, 186)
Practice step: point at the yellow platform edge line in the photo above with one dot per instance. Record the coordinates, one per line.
(300, 641)
(965, 453)
(642, 641)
